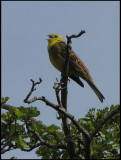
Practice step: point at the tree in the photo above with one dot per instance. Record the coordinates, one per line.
(94, 137)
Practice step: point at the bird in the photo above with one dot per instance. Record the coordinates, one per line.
(77, 69)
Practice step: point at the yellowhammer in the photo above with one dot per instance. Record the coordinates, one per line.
(56, 50)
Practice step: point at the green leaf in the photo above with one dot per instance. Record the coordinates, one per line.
(4, 100)
(21, 143)
(59, 136)
(116, 146)
(52, 128)
(13, 157)
(32, 111)
(112, 107)
(19, 113)
(4, 116)
(45, 133)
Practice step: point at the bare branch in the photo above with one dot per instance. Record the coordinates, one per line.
(6, 106)
(11, 147)
(76, 36)
(31, 147)
(32, 89)
(64, 81)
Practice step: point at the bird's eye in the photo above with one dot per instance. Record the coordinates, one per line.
(55, 36)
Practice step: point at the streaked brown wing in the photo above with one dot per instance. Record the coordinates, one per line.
(76, 62)
(79, 65)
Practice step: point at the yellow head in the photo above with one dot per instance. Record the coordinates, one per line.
(53, 39)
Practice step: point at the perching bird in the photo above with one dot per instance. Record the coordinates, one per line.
(56, 50)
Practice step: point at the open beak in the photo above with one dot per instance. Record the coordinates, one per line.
(49, 37)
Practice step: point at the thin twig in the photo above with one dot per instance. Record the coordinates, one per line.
(32, 89)
(76, 36)
(57, 87)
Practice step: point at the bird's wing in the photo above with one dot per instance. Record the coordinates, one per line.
(80, 66)
(76, 62)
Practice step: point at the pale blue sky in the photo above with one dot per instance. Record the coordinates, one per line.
(24, 54)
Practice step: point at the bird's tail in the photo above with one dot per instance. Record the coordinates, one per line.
(96, 90)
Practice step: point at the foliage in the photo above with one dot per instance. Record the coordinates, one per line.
(106, 143)
(21, 130)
